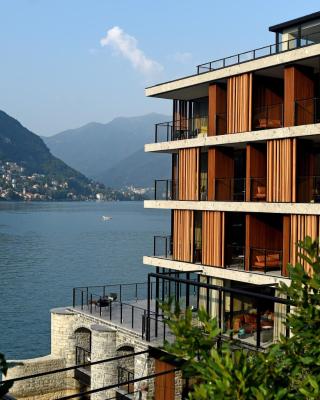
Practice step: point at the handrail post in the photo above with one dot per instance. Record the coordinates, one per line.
(258, 325)
(120, 313)
(87, 296)
(100, 306)
(120, 291)
(110, 311)
(154, 246)
(74, 297)
(231, 315)
(167, 198)
(81, 299)
(132, 317)
(155, 189)
(90, 303)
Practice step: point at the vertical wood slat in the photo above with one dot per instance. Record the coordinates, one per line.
(302, 226)
(183, 235)
(213, 238)
(189, 174)
(281, 170)
(239, 103)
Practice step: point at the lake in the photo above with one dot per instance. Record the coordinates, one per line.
(46, 249)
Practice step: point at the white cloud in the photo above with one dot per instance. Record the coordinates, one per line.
(182, 57)
(128, 46)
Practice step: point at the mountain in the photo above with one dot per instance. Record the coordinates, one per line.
(27, 161)
(111, 152)
(139, 169)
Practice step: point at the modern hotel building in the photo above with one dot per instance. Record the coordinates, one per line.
(245, 188)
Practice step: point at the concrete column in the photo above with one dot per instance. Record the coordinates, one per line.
(103, 341)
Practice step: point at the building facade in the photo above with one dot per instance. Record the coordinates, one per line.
(245, 188)
(245, 184)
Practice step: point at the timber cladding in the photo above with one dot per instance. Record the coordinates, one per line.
(281, 170)
(183, 235)
(302, 226)
(213, 238)
(188, 179)
(239, 103)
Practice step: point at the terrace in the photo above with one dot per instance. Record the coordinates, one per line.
(246, 314)
(307, 39)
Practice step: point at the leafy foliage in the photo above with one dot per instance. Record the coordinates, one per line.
(289, 369)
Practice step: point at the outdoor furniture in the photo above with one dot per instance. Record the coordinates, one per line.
(271, 261)
(264, 123)
(260, 193)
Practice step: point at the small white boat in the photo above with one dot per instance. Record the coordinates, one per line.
(106, 218)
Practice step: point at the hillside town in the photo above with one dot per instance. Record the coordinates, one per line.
(16, 184)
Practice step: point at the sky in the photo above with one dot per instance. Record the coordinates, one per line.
(65, 63)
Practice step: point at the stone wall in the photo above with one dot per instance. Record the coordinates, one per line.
(106, 339)
(42, 388)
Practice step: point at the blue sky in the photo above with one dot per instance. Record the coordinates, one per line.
(65, 63)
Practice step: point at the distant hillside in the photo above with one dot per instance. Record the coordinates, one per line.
(96, 148)
(139, 169)
(26, 149)
(22, 146)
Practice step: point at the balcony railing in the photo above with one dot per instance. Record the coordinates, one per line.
(308, 189)
(234, 256)
(264, 260)
(307, 111)
(268, 117)
(255, 54)
(165, 189)
(188, 128)
(162, 246)
(230, 189)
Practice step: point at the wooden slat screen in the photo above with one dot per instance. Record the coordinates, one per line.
(213, 231)
(189, 174)
(183, 235)
(239, 103)
(281, 170)
(302, 226)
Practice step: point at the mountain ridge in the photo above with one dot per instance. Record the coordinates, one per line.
(101, 151)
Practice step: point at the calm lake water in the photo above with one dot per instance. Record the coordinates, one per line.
(46, 249)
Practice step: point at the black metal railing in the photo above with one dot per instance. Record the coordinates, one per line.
(162, 246)
(258, 189)
(93, 296)
(125, 375)
(163, 132)
(220, 123)
(307, 111)
(264, 260)
(230, 189)
(268, 117)
(253, 326)
(308, 189)
(165, 189)
(187, 128)
(235, 257)
(255, 54)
